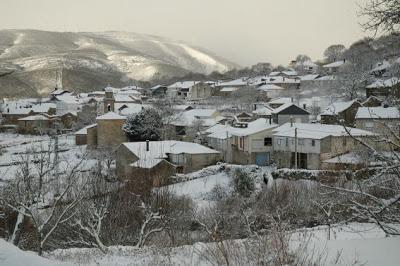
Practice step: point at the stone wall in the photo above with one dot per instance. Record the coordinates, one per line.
(110, 133)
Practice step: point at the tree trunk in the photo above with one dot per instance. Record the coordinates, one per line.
(17, 229)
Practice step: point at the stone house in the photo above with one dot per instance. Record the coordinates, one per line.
(185, 123)
(157, 91)
(384, 88)
(381, 120)
(244, 143)
(35, 124)
(334, 67)
(340, 111)
(107, 133)
(81, 136)
(278, 102)
(12, 111)
(315, 144)
(191, 90)
(109, 130)
(160, 159)
(253, 143)
(289, 112)
(68, 120)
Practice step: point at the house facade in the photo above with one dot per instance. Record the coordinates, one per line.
(338, 112)
(290, 112)
(161, 159)
(315, 144)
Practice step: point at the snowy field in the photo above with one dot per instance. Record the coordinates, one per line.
(13, 149)
(356, 244)
(201, 184)
(352, 244)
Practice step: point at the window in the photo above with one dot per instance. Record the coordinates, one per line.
(267, 141)
(344, 141)
(109, 107)
(279, 141)
(313, 142)
(241, 143)
(287, 141)
(301, 142)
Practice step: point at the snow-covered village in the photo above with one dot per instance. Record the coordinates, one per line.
(122, 148)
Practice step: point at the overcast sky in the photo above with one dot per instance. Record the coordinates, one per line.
(244, 32)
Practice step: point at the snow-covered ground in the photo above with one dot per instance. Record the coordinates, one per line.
(13, 148)
(200, 184)
(10, 255)
(357, 244)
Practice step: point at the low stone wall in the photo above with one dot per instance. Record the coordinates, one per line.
(324, 176)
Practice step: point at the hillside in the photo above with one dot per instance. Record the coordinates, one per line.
(31, 59)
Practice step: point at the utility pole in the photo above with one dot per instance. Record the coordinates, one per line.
(295, 148)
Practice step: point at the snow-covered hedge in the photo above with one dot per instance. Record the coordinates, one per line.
(327, 176)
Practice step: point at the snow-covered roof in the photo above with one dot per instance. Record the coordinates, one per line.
(187, 118)
(347, 158)
(233, 83)
(309, 63)
(133, 108)
(67, 98)
(378, 113)
(83, 131)
(253, 127)
(111, 116)
(337, 107)
(263, 110)
(384, 83)
(381, 66)
(335, 64)
(269, 87)
(157, 87)
(281, 100)
(317, 131)
(328, 77)
(309, 77)
(22, 107)
(159, 150)
(183, 84)
(226, 131)
(288, 72)
(43, 107)
(56, 92)
(282, 80)
(285, 106)
(34, 118)
(229, 89)
(120, 97)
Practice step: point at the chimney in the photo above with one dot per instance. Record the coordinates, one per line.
(291, 121)
(291, 99)
(147, 145)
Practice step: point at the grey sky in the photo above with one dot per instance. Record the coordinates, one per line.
(245, 32)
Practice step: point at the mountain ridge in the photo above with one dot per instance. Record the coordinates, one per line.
(31, 59)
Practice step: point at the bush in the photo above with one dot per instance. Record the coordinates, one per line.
(243, 182)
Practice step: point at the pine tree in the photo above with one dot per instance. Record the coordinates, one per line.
(146, 125)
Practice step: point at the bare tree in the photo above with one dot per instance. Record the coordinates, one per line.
(334, 52)
(376, 197)
(381, 15)
(42, 194)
